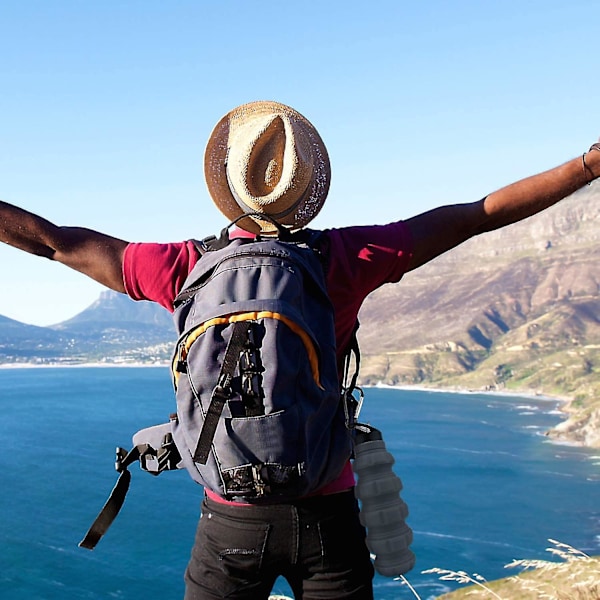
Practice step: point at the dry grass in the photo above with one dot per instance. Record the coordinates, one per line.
(575, 577)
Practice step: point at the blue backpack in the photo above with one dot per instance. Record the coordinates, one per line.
(261, 415)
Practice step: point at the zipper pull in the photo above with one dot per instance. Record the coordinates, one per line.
(181, 365)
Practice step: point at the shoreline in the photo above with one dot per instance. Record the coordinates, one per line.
(465, 391)
(418, 388)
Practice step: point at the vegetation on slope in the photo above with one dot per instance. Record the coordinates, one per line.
(575, 577)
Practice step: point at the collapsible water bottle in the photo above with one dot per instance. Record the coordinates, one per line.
(382, 512)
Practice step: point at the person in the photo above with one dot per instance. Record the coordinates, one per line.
(266, 157)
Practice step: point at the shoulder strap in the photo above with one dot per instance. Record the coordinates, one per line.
(353, 350)
(352, 406)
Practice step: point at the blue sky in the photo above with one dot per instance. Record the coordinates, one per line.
(105, 109)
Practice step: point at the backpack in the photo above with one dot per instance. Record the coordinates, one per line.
(261, 416)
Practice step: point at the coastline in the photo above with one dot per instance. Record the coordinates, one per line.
(165, 364)
(99, 365)
(464, 391)
(418, 388)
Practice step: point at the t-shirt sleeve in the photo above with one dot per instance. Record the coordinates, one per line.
(156, 272)
(366, 257)
(361, 259)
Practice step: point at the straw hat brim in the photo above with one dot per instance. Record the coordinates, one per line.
(215, 165)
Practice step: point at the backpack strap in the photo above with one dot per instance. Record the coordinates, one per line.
(222, 391)
(353, 350)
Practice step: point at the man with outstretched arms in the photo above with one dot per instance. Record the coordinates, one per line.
(265, 157)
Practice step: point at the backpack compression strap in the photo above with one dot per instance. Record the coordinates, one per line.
(222, 391)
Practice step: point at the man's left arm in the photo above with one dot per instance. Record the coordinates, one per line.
(441, 229)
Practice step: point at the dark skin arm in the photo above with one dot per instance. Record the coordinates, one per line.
(438, 230)
(94, 254)
(100, 256)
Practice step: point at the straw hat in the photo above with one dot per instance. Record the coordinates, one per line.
(266, 157)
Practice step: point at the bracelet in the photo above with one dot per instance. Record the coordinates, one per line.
(586, 169)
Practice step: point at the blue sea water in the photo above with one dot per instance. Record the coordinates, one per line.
(483, 485)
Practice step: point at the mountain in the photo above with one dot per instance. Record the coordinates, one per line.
(19, 341)
(114, 329)
(117, 319)
(515, 310)
(533, 285)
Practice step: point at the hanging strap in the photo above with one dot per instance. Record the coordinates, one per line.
(115, 501)
(156, 456)
(222, 391)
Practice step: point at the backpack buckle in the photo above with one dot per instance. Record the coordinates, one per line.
(120, 456)
(260, 479)
(352, 406)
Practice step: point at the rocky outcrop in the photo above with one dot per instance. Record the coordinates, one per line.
(582, 428)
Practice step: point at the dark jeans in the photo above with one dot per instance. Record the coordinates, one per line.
(316, 543)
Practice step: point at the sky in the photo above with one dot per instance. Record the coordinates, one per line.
(106, 107)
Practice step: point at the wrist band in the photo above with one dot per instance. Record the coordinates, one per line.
(586, 169)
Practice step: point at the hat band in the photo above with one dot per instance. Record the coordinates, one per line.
(249, 209)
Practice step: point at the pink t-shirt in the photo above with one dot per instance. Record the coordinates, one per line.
(360, 259)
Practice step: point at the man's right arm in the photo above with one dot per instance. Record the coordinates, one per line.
(445, 227)
(94, 254)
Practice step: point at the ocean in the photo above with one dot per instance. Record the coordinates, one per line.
(483, 485)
